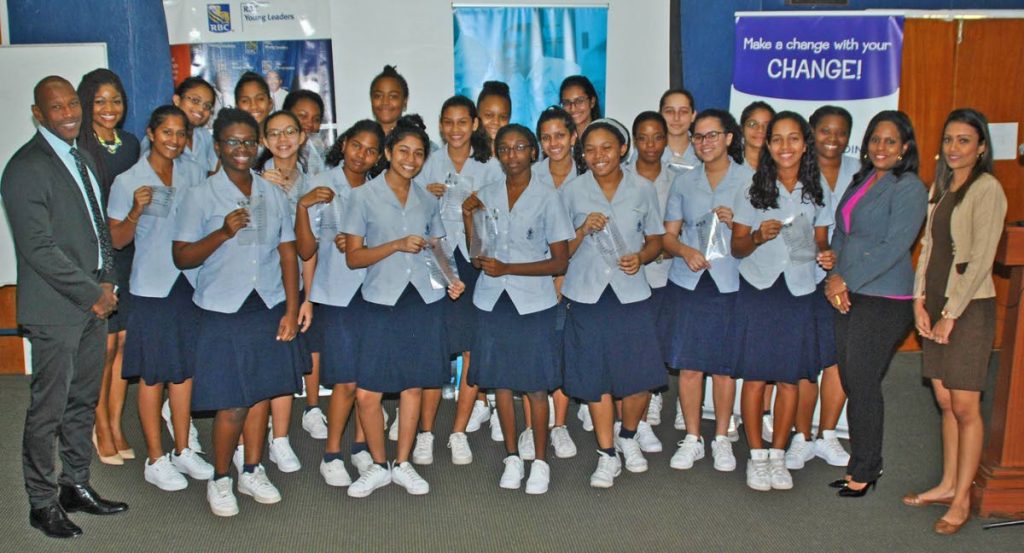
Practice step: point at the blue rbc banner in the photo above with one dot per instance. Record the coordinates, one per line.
(532, 49)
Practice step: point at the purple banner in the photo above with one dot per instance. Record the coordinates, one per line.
(818, 57)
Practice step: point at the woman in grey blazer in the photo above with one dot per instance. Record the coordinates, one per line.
(871, 286)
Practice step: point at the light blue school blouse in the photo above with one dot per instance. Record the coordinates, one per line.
(295, 193)
(153, 271)
(436, 169)
(234, 270)
(636, 213)
(200, 152)
(333, 282)
(537, 220)
(848, 167)
(763, 267)
(374, 213)
(692, 198)
(657, 270)
(684, 162)
(541, 171)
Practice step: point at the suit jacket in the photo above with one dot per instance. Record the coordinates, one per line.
(873, 256)
(58, 272)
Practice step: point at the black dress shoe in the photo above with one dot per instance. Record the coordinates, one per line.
(850, 492)
(53, 522)
(81, 497)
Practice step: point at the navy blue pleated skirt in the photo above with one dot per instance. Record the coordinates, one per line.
(774, 338)
(611, 348)
(341, 330)
(460, 314)
(824, 318)
(403, 346)
(516, 352)
(159, 347)
(313, 337)
(239, 361)
(695, 327)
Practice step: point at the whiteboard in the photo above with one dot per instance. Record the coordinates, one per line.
(22, 67)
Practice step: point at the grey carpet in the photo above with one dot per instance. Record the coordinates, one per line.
(662, 510)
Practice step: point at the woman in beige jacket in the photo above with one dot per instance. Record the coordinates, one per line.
(954, 304)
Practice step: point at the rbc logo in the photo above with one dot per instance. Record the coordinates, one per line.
(219, 17)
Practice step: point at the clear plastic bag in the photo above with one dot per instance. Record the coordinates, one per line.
(160, 205)
(610, 243)
(712, 236)
(256, 231)
(798, 234)
(439, 257)
(330, 218)
(484, 241)
(456, 189)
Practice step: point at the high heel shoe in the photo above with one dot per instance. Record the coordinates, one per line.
(126, 454)
(914, 500)
(114, 459)
(847, 491)
(945, 528)
(838, 484)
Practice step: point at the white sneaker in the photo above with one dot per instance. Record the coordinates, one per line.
(721, 452)
(512, 476)
(734, 429)
(193, 434)
(334, 473)
(540, 477)
(221, 498)
(423, 451)
(163, 475)
(631, 453)
(238, 458)
(680, 422)
(584, 415)
(767, 427)
(393, 431)
(405, 475)
(481, 412)
(800, 451)
(781, 479)
(690, 449)
(315, 423)
(362, 461)
(654, 410)
(608, 467)
(527, 450)
(758, 477)
(459, 444)
(375, 476)
(828, 448)
(190, 463)
(257, 485)
(649, 443)
(496, 434)
(562, 442)
(281, 453)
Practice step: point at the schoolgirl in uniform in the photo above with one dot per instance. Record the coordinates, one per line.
(389, 97)
(516, 343)
(466, 160)
(754, 120)
(252, 95)
(386, 225)
(774, 335)
(308, 106)
(831, 125)
(248, 292)
(578, 96)
(495, 107)
(611, 348)
(162, 325)
(196, 97)
(334, 289)
(697, 313)
(677, 107)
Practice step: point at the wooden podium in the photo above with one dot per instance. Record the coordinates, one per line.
(999, 485)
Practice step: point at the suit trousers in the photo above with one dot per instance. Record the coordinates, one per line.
(67, 367)
(866, 340)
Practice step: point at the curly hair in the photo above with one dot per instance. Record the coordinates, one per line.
(764, 194)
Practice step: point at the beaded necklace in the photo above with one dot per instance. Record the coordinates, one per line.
(111, 147)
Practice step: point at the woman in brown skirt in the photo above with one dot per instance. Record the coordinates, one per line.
(954, 305)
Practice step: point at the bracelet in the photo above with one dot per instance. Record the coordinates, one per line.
(948, 315)
(132, 221)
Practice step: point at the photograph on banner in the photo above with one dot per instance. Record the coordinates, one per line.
(532, 49)
(802, 62)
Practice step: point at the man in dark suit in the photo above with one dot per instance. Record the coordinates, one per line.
(65, 293)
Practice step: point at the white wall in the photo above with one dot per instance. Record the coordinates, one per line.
(417, 36)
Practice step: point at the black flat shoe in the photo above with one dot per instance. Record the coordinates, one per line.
(847, 491)
(82, 498)
(838, 484)
(53, 522)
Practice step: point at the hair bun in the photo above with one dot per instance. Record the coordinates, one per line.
(411, 120)
(495, 87)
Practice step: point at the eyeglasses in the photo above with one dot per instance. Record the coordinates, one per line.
(287, 131)
(754, 124)
(709, 137)
(577, 102)
(519, 148)
(235, 143)
(199, 103)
